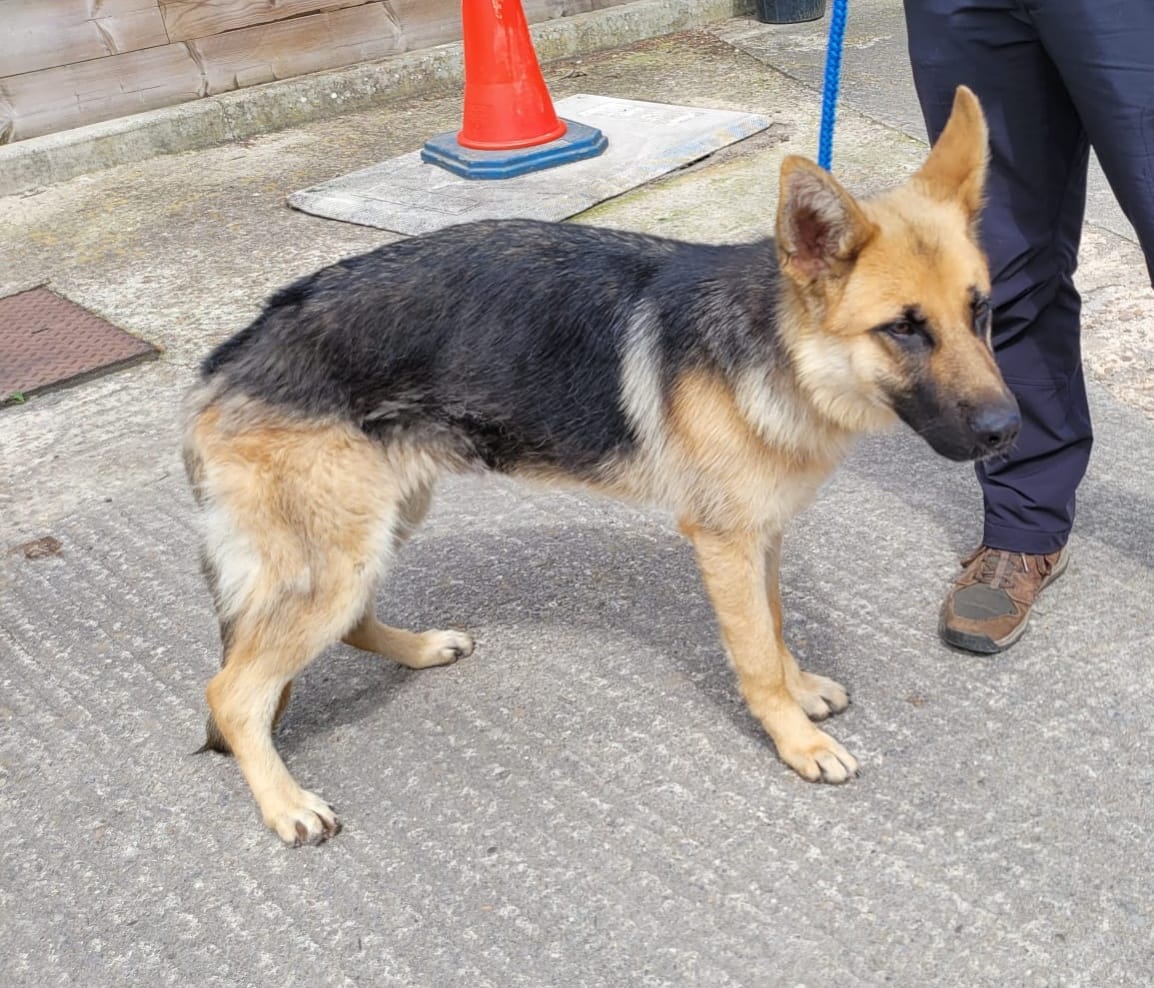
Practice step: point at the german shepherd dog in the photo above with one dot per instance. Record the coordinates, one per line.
(721, 382)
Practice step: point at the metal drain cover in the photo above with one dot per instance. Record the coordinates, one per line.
(46, 341)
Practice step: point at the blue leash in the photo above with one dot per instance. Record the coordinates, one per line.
(832, 81)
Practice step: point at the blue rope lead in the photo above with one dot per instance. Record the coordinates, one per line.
(832, 81)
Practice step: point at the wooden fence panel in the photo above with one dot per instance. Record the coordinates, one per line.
(189, 19)
(41, 34)
(66, 63)
(73, 95)
(267, 52)
(425, 23)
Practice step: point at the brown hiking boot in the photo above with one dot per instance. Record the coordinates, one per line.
(989, 605)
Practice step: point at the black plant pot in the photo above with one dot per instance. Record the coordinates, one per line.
(789, 11)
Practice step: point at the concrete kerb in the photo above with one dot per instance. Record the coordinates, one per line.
(41, 161)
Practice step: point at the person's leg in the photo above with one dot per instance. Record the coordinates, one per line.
(1030, 229)
(1104, 52)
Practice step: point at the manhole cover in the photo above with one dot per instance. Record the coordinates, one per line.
(46, 341)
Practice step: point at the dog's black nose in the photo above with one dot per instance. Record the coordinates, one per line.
(996, 426)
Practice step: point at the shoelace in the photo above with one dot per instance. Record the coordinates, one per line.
(997, 566)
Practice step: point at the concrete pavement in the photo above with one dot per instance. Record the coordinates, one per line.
(584, 801)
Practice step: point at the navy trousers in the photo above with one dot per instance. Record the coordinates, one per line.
(1054, 78)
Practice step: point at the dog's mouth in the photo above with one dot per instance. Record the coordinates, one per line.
(965, 431)
(961, 452)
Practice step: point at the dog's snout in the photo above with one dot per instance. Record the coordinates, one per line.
(997, 426)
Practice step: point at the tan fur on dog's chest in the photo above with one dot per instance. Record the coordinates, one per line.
(745, 479)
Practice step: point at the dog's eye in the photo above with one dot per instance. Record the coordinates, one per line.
(901, 327)
(983, 313)
(908, 329)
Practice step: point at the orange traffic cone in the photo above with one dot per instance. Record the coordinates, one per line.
(507, 104)
(509, 125)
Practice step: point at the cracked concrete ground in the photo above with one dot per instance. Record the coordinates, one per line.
(585, 801)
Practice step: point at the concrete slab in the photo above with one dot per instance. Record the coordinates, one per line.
(646, 140)
(586, 801)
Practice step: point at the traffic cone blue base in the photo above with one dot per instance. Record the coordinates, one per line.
(577, 143)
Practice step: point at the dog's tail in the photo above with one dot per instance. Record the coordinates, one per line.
(196, 403)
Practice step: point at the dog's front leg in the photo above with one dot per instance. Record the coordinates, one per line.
(819, 696)
(734, 567)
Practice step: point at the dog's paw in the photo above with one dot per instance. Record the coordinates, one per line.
(818, 696)
(440, 648)
(818, 758)
(307, 819)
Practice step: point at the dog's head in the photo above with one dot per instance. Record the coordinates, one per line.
(889, 297)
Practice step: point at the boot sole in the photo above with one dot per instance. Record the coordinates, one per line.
(983, 644)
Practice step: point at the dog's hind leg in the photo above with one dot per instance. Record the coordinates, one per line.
(733, 565)
(819, 696)
(415, 650)
(299, 523)
(214, 740)
(243, 698)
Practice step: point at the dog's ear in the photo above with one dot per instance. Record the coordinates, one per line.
(955, 171)
(820, 227)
